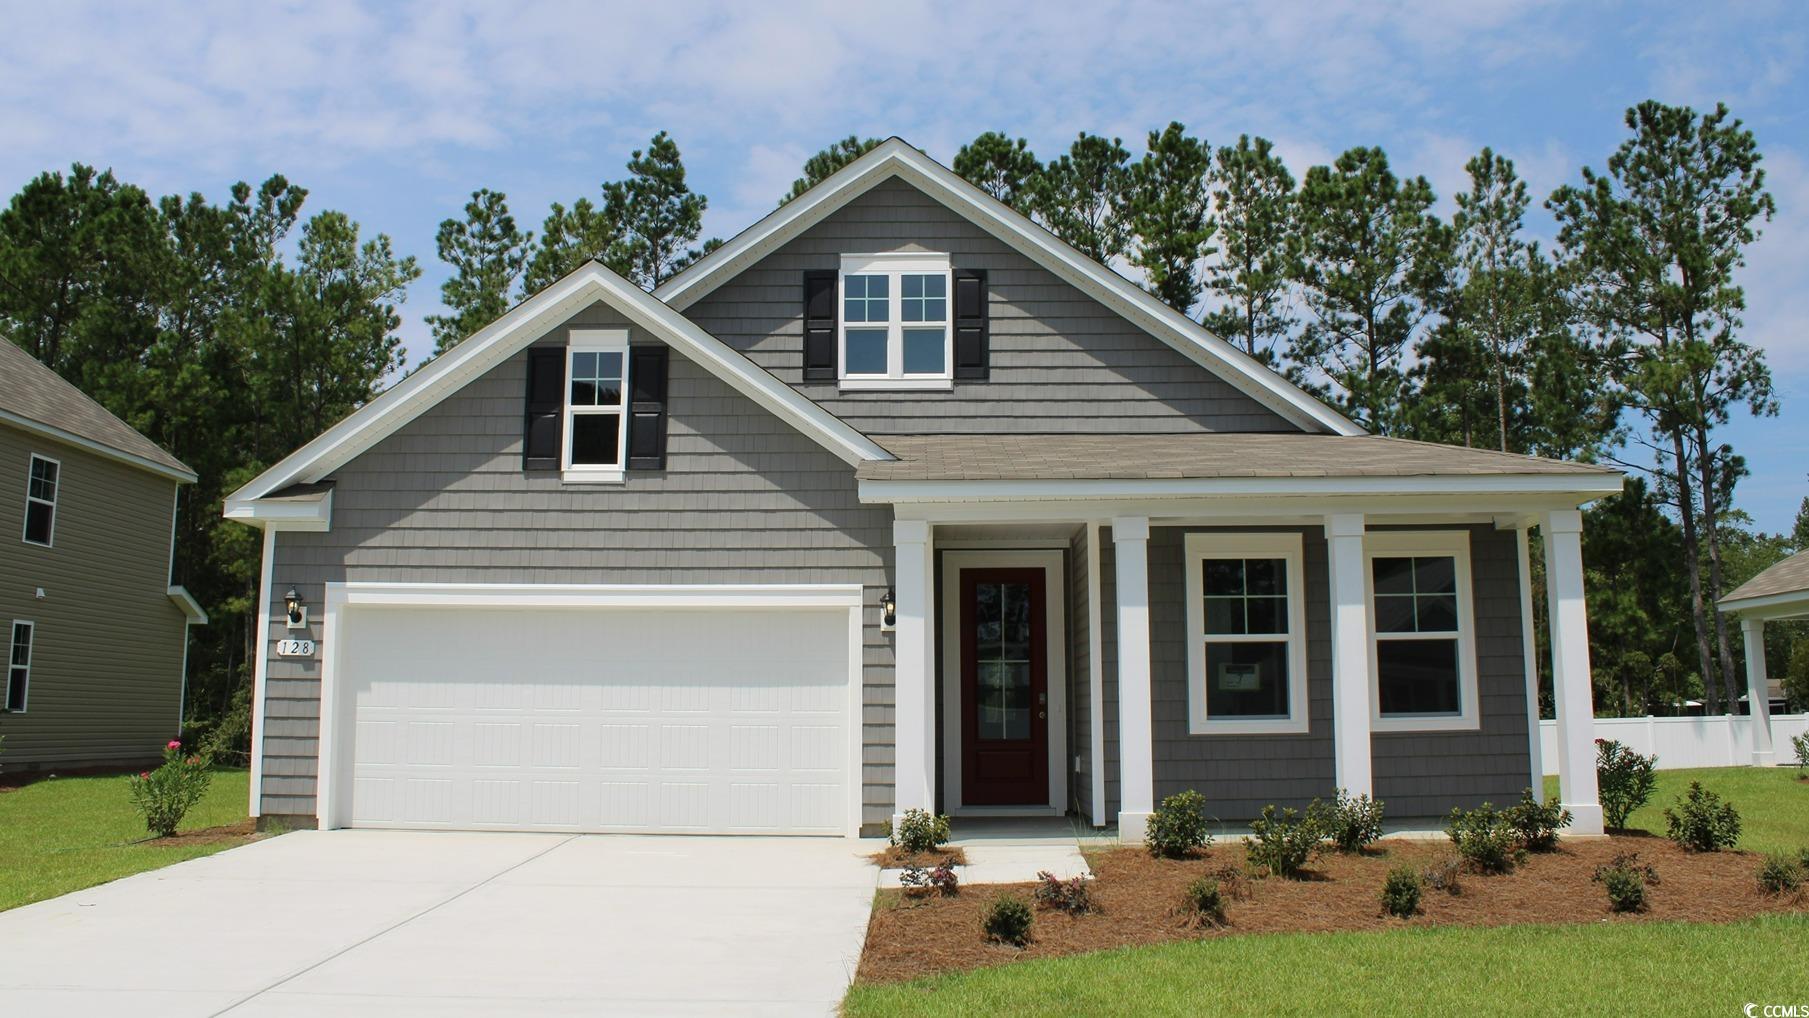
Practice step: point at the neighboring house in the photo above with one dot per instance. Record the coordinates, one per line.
(893, 501)
(1778, 593)
(95, 635)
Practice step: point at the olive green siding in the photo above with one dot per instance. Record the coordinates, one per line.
(106, 660)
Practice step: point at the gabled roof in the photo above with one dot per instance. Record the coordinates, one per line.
(37, 399)
(524, 323)
(896, 158)
(1784, 587)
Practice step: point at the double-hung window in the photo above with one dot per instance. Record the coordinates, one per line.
(41, 500)
(596, 430)
(18, 667)
(1246, 622)
(1422, 651)
(895, 322)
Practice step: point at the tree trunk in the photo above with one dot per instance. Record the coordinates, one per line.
(1692, 554)
(1711, 530)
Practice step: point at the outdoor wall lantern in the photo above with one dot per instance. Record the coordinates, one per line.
(888, 611)
(297, 612)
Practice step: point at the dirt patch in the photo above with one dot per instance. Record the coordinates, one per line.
(897, 858)
(245, 830)
(1137, 895)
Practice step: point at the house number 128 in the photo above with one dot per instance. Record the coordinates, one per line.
(295, 648)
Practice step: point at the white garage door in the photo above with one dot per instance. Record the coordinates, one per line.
(685, 720)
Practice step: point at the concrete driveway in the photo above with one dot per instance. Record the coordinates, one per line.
(398, 923)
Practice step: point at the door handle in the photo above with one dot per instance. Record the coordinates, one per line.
(1041, 715)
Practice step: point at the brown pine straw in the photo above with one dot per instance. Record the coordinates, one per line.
(1137, 898)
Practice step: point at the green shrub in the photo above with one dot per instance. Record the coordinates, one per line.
(1445, 875)
(918, 881)
(1401, 892)
(1071, 895)
(1801, 744)
(1537, 824)
(1178, 826)
(164, 796)
(1624, 780)
(1484, 838)
(1203, 903)
(1351, 824)
(1282, 844)
(1007, 920)
(1781, 873)
(1625, 879)
(1701, 822)
(919, 830)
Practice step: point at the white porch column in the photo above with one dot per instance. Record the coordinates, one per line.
(1563, 532)
(1350, 654)
(1763, 753)
(913, 680)
(1136, 744)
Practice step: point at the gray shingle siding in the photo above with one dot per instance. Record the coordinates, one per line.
(1061, 361)
(1417, 775)
(745, 498)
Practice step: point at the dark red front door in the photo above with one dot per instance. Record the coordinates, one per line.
(1004, 688)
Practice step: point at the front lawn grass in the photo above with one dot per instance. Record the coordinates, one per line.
(1606, 968)
(63, 834)
(1773, 804)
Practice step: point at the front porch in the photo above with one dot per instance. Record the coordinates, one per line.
(1053, 651)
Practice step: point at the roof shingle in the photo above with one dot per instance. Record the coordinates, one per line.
(32, 391)
(1790, 576)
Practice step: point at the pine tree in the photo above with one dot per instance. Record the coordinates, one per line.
(1001, 167)
(1372, 252)
(1082, 197)
(1170, 214)
(818, 167)
(660, 215)
(571, 237)
(488, 255)
(1656, 243)
(1257, 248)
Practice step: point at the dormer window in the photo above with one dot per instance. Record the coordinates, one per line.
(895, 322)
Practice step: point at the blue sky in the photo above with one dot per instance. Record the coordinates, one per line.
(396, 112)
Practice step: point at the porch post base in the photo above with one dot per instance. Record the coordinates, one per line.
(1585, 820)
(1132, 827)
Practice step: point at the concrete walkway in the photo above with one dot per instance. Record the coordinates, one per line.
(398, 924)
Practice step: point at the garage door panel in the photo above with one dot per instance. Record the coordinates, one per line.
(688, 720)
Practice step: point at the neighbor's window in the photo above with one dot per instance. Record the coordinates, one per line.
(895, 321)
(1246, 620)
(18, 667)
(41, 500)
(595, 428)
(1423, 664)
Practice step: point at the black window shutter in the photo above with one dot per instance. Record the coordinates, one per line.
(973, 346)
(544, 424)
(820, 361)
(647, 407)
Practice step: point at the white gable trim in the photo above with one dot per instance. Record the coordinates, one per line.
(527, 321)
(895, 158)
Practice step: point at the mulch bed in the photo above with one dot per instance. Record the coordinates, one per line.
(897, 858)
(244, 830)
(912, 937)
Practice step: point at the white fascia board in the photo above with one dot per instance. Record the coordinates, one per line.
(1770, 607)
(1582, 486)
(449, 372)
(314, 514)
(897, 158)
(197, 616)
(602, 595)
(97, 448)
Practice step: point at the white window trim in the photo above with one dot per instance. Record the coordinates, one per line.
(1202, 546)
(25, 523)
(595, 341)
(31, 645)
(1396, 544)
(895, 265)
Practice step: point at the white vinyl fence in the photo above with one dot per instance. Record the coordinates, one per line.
(1685, 742)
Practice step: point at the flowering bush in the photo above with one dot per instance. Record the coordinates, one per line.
(1624, 780)
(164, 796)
